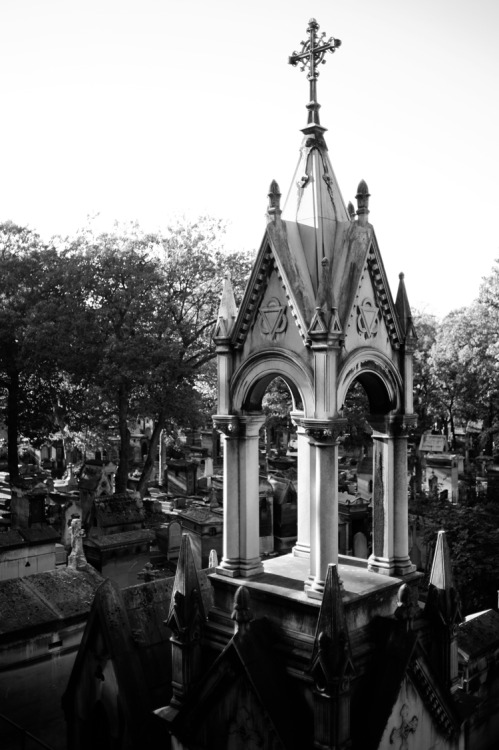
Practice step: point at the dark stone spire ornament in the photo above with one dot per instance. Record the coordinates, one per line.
(312, 54)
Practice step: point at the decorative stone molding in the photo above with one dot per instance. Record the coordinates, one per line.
(229, 425)
(407, 726)
(326, 431)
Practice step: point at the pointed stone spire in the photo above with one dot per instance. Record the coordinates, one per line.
(186, 606)
(351, 210)
(404, 313)
(443, 610)
(332, 669)
(442, 581)
(186, 618)
(362, 197)
(227, 313)
(331, 656)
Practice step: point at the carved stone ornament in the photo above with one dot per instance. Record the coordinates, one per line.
(367, 319)
(325, 432)
(272, 318)
(407, 726)
(228, 424)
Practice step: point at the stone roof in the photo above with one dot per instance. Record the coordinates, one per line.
(40, 600)
(200, 515)
(114, 510)
(21, 537)
(121, 538)
(479, 633)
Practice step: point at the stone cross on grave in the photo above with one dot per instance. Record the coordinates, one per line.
(312, 54)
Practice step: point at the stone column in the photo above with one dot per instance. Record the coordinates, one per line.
(382, 557)
(403, 564)
(249, 481)
(305, 490)
(323, 501)
(390, 554)
(228, 426)
(241, 541)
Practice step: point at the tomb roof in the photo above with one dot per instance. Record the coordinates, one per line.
(479, 633)
(121, 538)
(21, 537)
(44, 598)
(111, 510)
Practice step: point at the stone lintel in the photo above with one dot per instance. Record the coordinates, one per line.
(392, 425)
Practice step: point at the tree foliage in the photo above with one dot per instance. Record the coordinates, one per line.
(98, 328)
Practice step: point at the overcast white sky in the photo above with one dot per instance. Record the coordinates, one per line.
(145, 109)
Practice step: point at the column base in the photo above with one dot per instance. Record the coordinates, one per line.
(240, 568)
(314, 587)
(301, 550)
(383, 565)
(229, 568)
(394, 566)
(404, 566)
(250, 568)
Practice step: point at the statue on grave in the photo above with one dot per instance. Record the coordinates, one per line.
(77, 557)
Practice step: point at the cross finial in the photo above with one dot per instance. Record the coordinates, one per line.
(312, 54)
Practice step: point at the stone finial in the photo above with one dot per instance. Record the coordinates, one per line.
(351, 210)
(227, 312)
(242, 613)
(404, 313)
(362, 197)
(407, 605)
(274, 207)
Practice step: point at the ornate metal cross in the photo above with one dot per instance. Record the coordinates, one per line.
(312, 54)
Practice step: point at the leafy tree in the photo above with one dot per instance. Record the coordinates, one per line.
(143, 333)
(193, 264)
(424, 400)
(473, 536)
(26, 356)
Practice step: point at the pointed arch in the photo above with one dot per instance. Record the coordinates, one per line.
(252, 378)
(379, 377)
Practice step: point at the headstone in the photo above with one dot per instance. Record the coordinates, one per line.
(360, 545)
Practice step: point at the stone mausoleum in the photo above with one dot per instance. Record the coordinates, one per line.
(311, 649)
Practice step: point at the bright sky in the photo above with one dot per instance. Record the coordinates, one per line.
(146, 109)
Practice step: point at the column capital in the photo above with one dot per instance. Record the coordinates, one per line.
(239, 426)
(227, 424)
(250, 424)
(324, 431)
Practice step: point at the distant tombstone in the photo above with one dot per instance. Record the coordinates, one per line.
(360, 545)
(433, 444)
(415, 555)
(174, 539)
